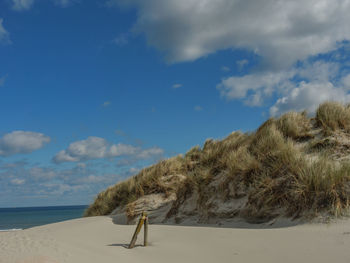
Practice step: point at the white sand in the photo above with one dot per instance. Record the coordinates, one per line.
(98, 240)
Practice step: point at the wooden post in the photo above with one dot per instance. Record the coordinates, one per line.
(145, 232)
(137, 230)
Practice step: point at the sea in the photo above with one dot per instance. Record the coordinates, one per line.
(14, 219)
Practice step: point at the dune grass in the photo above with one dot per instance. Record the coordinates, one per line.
(295, 125)
(333, 116)
(147, 181)
(266, 167)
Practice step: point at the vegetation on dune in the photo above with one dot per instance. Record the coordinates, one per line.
(281, 169)
(333, 116)
(148, 181)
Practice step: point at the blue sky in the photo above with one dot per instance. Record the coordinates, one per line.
(92, 91)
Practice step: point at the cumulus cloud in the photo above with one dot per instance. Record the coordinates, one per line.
(299, 88)
(253, 88)
(18, 142)
(4, 35)
(149, 153)
(21, 5)
(281, 32)
(91, 148)
(346, 82)
(97, 148)
(313, 84)
(307, 96)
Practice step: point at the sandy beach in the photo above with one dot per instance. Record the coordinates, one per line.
(97, 239)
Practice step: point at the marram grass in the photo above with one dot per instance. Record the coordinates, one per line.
(270, 168)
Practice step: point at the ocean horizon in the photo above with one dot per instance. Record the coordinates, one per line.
(19, 218)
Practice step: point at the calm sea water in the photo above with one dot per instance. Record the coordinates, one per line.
(26, 217)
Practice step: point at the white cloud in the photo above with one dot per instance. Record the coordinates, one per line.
(307, 96)
(284, 34)
(281, 32)
(320, 71)
(254, 88)
(122, 149)
(21, 5)
(91, 148)
(97, 148)
(149, 153)
(346, 81)
(302, 87)
(22, 142)
(4, 35)
(177, 86)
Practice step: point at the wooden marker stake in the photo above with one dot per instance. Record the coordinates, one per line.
(138, 229)
(145, 232)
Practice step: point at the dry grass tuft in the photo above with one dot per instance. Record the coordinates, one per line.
(295, 125)
(322, 186)
(333, 116)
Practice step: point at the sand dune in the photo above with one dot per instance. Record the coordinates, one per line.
(97, 239)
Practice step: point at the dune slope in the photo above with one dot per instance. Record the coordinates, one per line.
(293, 166)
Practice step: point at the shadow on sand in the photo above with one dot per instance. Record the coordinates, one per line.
(233, 223)
(122, 245)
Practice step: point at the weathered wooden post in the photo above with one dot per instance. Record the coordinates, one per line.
(145, 232)
(142, 220)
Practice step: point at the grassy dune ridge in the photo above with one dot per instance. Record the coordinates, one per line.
(293, 166)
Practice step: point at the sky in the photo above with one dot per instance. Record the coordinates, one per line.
(92, 91)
